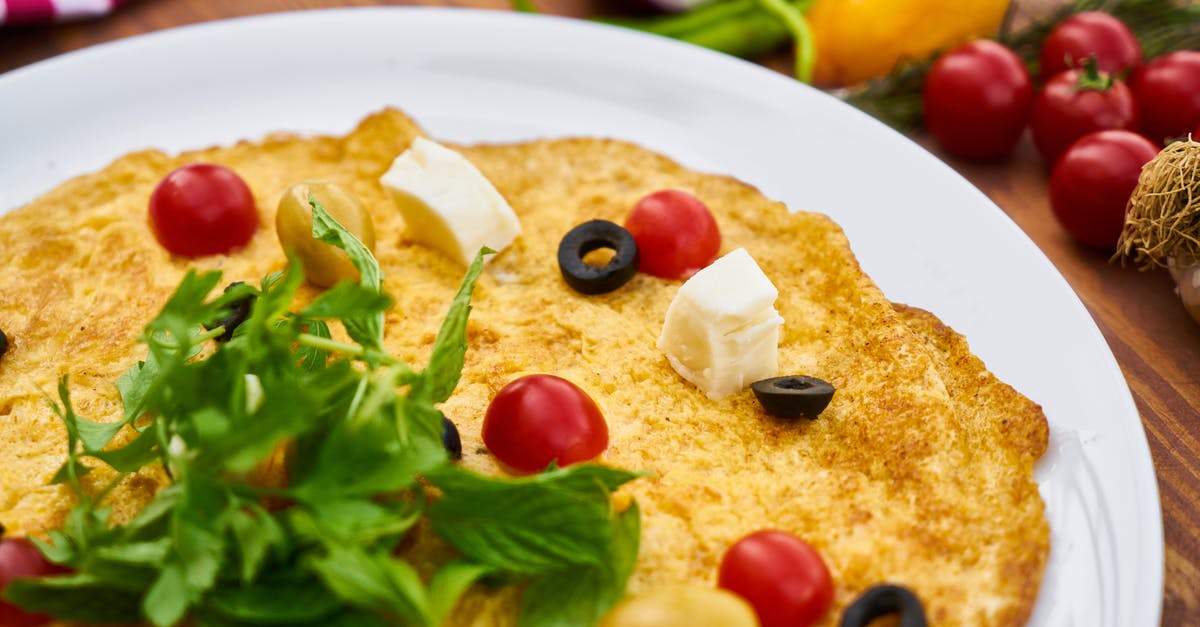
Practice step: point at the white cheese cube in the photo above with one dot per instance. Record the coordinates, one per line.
(448, 203)
(722, 329)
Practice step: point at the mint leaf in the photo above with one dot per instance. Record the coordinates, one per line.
(310, 358)
(78, 597)
(168, 598)
(582, 595)
(347, 300)
(627, 533)
(354, 461)
(72, 469)
(327, 229)
(366, 328)
(138, 452)
(257, 535)
(569, 597)
(532, 525)
(449, 583)
(277, 600)
(356, 521)
(133, 566)
(449, 349)
(134, 386)
(374, 581)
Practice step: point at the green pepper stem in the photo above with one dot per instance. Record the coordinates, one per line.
(792, 15)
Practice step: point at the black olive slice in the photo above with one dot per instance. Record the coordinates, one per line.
(450, 439)
(793, 396)
(3, 343)
(239, 310)
(883, 600)
(587, 278)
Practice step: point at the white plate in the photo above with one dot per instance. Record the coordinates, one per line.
(925, 234)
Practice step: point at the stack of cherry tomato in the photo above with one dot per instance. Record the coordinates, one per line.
(1101, 112)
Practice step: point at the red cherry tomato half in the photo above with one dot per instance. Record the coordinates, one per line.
(20, 558)
(1091, 183)
(202, 209)
(539, 419)
(1167, 90)
(782, 577)
(1075, 103)
(976, 100)
(676, 234)
(1090, 34)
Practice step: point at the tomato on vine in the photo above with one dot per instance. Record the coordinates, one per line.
(1167, 90)
(1090, 34)
(1092, 181)
(1078, 102)
(976, 100)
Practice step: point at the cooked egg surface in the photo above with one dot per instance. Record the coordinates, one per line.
(920, 472)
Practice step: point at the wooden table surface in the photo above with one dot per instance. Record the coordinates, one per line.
(1155, 342)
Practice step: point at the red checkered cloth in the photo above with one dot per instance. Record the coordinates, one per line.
(41, 11)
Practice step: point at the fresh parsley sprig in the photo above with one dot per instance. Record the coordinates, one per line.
(228, 543)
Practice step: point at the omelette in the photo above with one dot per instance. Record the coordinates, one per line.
(920, 471)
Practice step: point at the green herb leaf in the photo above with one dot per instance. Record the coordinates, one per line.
(79, 597)
(449, 583)
(449, 349)
(374, 581)
(532, 525)
(168, 598)
(134, 385)
(347, 300)
(140, 451)
(582, 595)
(367, 328)
(275, 601)
(207, 551)
(257, 535)
(311, 358)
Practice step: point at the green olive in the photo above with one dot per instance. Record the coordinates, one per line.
(682, 606)
(324, 265)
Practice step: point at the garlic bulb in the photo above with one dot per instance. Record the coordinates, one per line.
(1162, 219)
(1187, 285)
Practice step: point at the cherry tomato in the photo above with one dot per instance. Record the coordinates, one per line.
(1090, 34)
(676, 234)
(783, 577)
(20, 558)
(1091, 183)
(1075, 103)
(539, 419)
(1167, 90)
(202, 209)
(976, 100)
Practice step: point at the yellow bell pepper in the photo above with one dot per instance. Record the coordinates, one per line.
(857, 40)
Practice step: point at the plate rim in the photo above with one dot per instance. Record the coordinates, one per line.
(1148, 608)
